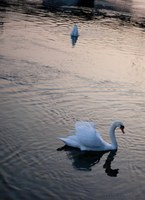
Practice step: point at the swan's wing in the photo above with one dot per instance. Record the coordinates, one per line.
(87, 135)
(85, 123)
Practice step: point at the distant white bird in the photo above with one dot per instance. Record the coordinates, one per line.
(75, 32)
(86, 138)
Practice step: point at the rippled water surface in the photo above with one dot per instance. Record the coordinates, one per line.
(47, 84)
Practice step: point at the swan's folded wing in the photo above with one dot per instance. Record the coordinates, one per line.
(87, 135)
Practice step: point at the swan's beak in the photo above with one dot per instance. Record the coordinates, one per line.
(122, 129)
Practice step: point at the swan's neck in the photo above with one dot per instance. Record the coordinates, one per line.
(113, 137)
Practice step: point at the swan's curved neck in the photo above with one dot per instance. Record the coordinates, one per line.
(112, 136)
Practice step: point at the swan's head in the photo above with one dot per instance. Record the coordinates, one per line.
(118, 124)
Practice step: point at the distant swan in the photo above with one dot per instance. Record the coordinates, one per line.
(86, 138)
(75, 32)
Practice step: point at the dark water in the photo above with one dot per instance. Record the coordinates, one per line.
(46, 85)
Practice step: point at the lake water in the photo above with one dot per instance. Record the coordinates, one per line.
(47, 84)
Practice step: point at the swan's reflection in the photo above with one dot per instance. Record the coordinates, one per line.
(74, 40)
(87, 159)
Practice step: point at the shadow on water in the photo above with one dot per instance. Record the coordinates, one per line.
(55, 4)
(124, 10)
(85, 160)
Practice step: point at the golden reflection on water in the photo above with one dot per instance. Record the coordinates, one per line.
(102, 51)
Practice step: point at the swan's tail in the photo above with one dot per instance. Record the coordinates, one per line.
(63, 139)
(71, 141)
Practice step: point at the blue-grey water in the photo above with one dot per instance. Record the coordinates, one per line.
(47, 84)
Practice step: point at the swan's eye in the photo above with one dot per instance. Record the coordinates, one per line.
(122, 128)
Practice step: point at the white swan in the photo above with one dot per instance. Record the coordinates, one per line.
(86, 138)
(75, 32)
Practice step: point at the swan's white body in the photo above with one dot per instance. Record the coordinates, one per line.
(86, 138)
